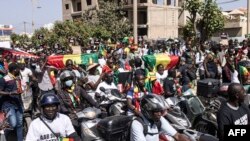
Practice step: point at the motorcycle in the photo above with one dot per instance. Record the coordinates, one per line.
(27, 99)
(93, 128)
(195, 135)
(113, 102)
(175, 115)
(198, 115)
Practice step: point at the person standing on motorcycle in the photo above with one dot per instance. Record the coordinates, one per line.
(234, 111)
(136, 92)
(152, 108)
(51, 125)
(73, 97)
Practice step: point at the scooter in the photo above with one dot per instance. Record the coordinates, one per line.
(27, 99)
(198, 115)
(113, 101)
(175, 115)
(195, 135)
(88, 118)
(93, 128)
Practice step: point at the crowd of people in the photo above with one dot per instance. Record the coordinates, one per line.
(58, 94)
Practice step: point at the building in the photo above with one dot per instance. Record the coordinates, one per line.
(156, 18)
(5, 32)
(235, 24)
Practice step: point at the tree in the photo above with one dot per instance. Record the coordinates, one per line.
(104, 22)
(14, 38)
(110, 18)
(211, 19)
(20, 40)
(193, 7)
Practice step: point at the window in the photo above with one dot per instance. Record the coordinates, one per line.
(67, 6)
(7, 32)
(143, 1)
(79, 6)
(89, 2)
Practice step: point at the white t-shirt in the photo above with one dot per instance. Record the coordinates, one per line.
(38, 131)
(93, 78)
(160, 77)
(136, 131)
(102, 62)
(27, 91)
(199, 60)
(234, 77)
(106, 86)
(25, 74)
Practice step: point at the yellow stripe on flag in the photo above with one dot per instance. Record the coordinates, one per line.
(76, 58)
(163, 59)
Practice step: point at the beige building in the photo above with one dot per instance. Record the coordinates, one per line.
(235, 24)
(156, 18)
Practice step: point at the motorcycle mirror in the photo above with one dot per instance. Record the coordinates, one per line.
(102, 89)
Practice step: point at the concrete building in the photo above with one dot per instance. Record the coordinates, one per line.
(235, 23)
(156, 18)
(5, 32)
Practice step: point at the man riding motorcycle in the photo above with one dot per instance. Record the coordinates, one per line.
(51, 125)
(107, 83)
(73, 98)
(152, 109)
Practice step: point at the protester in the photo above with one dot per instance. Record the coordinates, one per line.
(11, 102)
(234, 111)
(51, 125)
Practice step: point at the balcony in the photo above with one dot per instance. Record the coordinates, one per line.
(235, 23)
(78, 13)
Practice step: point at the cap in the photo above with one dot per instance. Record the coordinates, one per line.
(92, 66)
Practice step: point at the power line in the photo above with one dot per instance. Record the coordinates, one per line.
(225, 2)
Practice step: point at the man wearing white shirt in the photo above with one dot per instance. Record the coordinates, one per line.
(107, 83)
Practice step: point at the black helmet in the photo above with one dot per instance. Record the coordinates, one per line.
(151, 103)
(66, 74)
(49, 99)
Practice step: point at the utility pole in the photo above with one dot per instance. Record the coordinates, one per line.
(32, 16)
(135, 29)
(24, 27)
(248, 17)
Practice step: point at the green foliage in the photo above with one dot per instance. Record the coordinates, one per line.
(20, 40)
(211, 19)
(112, 18)
(107, 21)
(188, 30)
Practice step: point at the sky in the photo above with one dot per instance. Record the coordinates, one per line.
(16, 12)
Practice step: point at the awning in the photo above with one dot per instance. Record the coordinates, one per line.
(18, 53)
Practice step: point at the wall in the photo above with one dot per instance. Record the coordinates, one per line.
(162, 22)
(67, 12)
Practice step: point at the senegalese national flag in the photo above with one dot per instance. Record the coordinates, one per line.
(166, 60)
(243, 70)
(102, 50)
(66, 139)
(59, 61)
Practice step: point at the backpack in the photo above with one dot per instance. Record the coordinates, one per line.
(145, 128)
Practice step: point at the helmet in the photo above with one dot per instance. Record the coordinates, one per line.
(49, 99)
(151, 103)
(66, 74)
